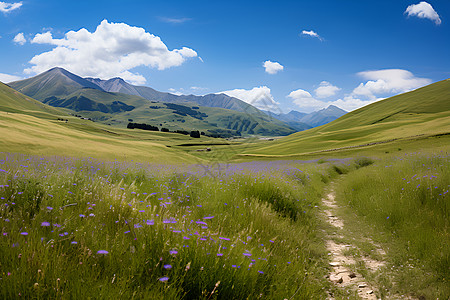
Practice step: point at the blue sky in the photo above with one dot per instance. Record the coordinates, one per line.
(277, 55)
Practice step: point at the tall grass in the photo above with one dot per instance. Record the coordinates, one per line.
(82, 228)
(406, 200)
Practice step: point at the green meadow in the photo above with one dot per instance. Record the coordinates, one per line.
(91, 211)
(403, 203)
(84, 228)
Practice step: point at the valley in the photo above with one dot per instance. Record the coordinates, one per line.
(222, 218)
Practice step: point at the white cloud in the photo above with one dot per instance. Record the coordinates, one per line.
(175, 20)
(198, 89)
(272, 67)
(112, 50)
(7, 7)
(259, 97)
(350, 103)
(311, 33)
(389, 81)
(176, 92)
(326, 90)
(19, 39)
(9, 78)
(305, 101)
(423, 10)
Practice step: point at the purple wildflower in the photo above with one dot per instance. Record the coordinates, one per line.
(163, 279)
(45, 224)
(102, 252)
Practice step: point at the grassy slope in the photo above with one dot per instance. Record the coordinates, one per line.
(28, 126)
(402, 203)
(164, 117)
(13, 102)
(424, 111)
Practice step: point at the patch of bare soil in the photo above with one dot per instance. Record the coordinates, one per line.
(343, 266)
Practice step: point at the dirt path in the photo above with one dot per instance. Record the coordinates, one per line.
(343, 273)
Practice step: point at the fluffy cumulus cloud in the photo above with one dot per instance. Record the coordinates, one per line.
(305, 101)
(112, 50)
(9, 78)
(272, 67)
(311, 33)
(8, 7)
(260, 97)
(19, 39)
(389, 81)
(423, 10)
(326, 90)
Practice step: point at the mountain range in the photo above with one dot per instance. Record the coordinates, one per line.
(302, 121)
(117, 102)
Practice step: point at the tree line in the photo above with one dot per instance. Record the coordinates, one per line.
(143, 126)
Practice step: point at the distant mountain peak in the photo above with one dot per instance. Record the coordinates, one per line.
(334, 107)
(59, 70)
(56, 69)
(116, 79)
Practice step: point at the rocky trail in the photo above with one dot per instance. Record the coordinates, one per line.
(343, 265)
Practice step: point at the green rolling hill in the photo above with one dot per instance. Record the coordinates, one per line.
(115, 102)
(31, 127)
(425, 111)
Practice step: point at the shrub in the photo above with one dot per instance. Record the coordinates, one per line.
(195, 134)
(363, 162)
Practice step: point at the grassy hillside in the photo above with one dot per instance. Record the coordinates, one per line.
(28, 126)
(425, 111)
(13, 102)
(116, 102)
(118, 109)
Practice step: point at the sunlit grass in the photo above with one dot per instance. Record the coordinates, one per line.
(405, 202)
(85, 228)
